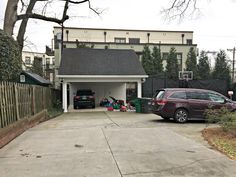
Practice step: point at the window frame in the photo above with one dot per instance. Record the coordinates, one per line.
(134, 40)
(120, 40)
(178, 92)
(198, 99)
(28, 60)
(189, 41)
(223, 98)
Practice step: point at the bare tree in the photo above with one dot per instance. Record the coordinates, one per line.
(179, 9)
(14, 14)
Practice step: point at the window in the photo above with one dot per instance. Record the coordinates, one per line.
(53, 61)
(160, 94)
(179, 95)
(27, 61)
(120, 40)
(165, 56)
(134, 40)
(179, 60)
(22, 78)
(216, 98)
(198, 96)
(47, 61)
(189, 41)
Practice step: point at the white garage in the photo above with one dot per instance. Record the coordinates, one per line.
(105, 71)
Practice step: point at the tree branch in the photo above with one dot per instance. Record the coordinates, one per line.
(77, 2)
(83, 1)
(180, 8)
(23, 25)
(41, 17)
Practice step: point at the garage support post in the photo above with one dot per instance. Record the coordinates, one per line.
(64, 96)
(139, 89)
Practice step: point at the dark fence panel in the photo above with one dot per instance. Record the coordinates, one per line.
(157, 82)
(217, 85)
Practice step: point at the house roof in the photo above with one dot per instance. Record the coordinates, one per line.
(87, 61)
(135, 30)
(37, 78)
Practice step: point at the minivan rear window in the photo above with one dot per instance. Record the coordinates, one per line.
(160, 94)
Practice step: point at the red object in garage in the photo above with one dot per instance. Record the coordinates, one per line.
(123, 109)
(110, 108)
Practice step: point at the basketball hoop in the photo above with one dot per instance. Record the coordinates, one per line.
(186, 75)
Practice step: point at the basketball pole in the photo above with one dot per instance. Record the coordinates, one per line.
(232, 50)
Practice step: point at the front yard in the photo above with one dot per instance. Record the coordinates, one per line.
(221, 140)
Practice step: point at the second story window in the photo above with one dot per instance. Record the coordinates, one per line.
(47, 61)
(189, 41)
(179, 60)
(27, 61)
(165, 56)
(120, 40)
(134, 40)
(53, 61)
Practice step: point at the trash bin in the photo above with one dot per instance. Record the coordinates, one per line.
(137, 105)
(142, 105)
(145, 105)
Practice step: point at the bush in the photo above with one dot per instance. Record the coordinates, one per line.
(10, 58)
(225, 118)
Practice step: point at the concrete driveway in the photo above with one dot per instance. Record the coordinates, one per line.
(113, 144)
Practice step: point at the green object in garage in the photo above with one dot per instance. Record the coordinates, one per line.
(116, 106)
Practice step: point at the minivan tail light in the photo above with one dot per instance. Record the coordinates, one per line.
(161, 102)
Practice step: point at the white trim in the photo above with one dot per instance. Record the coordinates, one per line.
(139, 89)
(64, 96)
(101, 79)
(102, 76)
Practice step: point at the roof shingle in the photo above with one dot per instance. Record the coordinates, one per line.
(87, 61)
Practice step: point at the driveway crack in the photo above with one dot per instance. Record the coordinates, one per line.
(168, 169)
(111, 119)
(112, 153)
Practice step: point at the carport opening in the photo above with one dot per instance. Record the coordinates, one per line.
(118, 90)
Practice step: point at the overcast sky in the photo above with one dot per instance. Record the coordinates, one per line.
(214, 29)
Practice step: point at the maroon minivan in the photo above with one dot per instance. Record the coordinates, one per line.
(184, 104)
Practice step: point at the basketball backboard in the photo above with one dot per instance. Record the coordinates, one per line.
(186, 75)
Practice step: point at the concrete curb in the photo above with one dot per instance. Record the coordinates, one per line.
(9, 133)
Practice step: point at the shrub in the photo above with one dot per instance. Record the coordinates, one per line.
(10, 58)
(223, 117)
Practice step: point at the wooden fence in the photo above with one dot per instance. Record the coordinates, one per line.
(20, 101)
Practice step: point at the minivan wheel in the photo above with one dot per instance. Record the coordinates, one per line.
(181, 115)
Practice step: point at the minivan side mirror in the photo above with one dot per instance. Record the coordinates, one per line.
(228, 100)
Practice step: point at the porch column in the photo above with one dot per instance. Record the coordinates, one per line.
(139, 89)
(64, 96)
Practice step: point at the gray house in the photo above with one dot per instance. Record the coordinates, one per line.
(106, 72)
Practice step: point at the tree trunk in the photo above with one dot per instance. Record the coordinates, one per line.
(23, 25)
(10, 16)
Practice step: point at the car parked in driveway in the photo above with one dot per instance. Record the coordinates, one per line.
(84, 98)
(184, 104)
